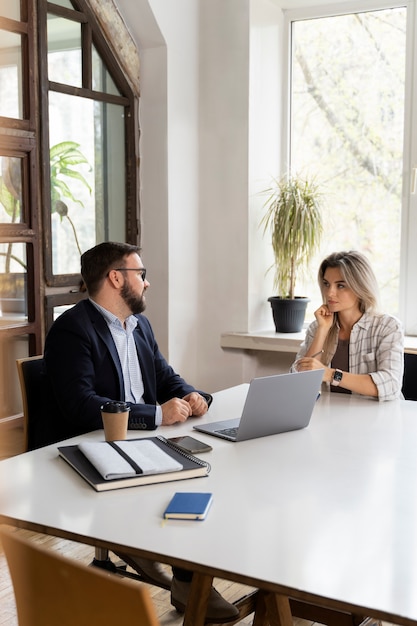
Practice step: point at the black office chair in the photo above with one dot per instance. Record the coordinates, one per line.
(409, 387)
(29, 371)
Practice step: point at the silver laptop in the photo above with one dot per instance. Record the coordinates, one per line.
(274, 404)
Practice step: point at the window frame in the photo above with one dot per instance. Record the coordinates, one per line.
(91, 35)
(18, 138)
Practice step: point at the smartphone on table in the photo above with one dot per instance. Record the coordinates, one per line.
(189, 444)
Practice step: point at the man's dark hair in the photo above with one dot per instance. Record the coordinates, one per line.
(98, 261)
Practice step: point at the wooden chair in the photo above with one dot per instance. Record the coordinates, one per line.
(51, 589)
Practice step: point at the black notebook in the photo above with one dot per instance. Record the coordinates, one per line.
(182, 465)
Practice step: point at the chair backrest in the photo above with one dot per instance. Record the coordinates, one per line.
(409, 387)
(30, 377)
(51, 589)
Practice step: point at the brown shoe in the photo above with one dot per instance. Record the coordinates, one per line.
(219, 610)
(151, 571)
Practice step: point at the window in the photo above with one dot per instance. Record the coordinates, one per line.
(348, 108)
(68, 142)
(87, 124)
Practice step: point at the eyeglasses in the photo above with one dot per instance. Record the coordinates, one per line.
(139, 270)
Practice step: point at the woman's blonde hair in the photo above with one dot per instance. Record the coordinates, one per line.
(359, 276)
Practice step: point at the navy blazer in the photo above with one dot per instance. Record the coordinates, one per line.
(83, 370)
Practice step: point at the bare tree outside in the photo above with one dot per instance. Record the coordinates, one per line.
(347, 125)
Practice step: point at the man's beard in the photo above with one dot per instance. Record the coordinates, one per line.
(135, 303)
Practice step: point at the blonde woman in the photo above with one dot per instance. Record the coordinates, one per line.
(360, 348)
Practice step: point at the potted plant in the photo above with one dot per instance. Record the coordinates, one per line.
(293, 218)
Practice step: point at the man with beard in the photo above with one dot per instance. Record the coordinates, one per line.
(104, 349)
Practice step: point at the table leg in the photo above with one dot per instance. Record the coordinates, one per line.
(196, 609)
(278, 610)
(260, 617)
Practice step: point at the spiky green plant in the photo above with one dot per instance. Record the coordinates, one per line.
(294, 219)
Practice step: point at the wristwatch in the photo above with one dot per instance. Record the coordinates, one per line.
(337, 377)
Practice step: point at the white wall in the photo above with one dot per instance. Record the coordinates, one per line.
(209, 141)
(265, 147)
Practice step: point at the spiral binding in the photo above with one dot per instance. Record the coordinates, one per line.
(187, 455)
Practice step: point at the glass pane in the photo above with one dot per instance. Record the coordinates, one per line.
(64, 51)
(10, 75)
(348, 77)
(102, 81)
(87, 177)
(73, 197)
(10, 190)
(111, 177)
(59, 310)
(10, 9)
(13, 283)
(11, 348)
(63, 3)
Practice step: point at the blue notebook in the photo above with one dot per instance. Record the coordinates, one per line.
(189, 505)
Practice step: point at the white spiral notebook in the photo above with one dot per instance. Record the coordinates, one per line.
(141, 461)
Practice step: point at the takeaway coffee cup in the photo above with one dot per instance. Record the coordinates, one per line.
(115, 416)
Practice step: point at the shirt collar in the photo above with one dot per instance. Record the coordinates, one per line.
(365, 320)
(111, 319)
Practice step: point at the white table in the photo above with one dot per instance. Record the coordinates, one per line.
(327, 514)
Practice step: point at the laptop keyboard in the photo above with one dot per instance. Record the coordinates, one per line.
(229, 432)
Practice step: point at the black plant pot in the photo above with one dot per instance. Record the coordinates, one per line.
(288, 314)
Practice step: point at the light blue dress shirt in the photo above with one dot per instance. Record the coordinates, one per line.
(126, 349)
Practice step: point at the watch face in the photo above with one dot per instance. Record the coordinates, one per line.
(338, 375)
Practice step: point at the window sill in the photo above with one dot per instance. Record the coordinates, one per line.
(270, 341)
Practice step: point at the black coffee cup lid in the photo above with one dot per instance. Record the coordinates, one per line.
(115, 407)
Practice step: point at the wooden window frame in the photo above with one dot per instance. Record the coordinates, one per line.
(91, 35)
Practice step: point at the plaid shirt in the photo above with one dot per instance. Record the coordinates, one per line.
(376, 347)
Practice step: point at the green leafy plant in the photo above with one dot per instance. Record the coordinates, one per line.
(293, 218)
(65, 157)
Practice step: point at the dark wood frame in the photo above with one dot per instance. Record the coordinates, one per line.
(18, 138)
(91, 35)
